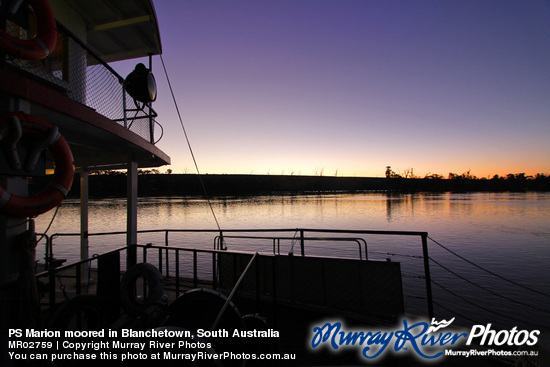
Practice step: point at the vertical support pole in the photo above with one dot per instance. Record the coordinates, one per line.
(151, 122)
(178, 273)
(47, 257)
(274, 290)
(151, 126)
(131, 215)
(166, 257)
(427, 274)
(258, 288)
(77, 78)
(302, 243)
(84, 245)
(214, 272)
(195, 273)
(124, 107)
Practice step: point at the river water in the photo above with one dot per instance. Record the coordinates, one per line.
(500, 276)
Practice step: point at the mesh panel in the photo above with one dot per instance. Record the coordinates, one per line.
(73, 71)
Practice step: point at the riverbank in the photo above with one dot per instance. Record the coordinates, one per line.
(114, 185)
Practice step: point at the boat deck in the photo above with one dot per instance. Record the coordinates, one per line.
(282, 308)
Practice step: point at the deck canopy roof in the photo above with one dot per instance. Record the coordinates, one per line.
(119, 30)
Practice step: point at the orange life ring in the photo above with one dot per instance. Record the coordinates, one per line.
(42, 44)
(52, 195)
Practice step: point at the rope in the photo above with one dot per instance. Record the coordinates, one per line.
(486, 309)
(490, 272)
(229, 298)
(49, 225)
(294, 242)
(489, 290)
(189, 145)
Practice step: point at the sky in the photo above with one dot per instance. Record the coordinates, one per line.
(346, 88)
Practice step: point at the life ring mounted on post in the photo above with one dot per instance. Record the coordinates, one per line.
(12, 127)
(44, 41)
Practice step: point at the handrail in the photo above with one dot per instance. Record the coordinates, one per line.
(218, 240)
(66, 281)
(252, 230)
(302, 238)
(358, 240)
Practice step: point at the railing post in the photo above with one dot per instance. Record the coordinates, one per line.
(151, 121)
(51, 255)
(47, 259)
(160, 261)
(427, 274)
(214, 272)
(151, 126)
(124, 107)
(166, 255)
(258, 302)
(178, 273)
(195, 276)
(274, 290)
(302, 244)
(131, 210)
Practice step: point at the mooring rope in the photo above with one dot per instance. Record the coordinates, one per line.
(189, 145)
(490, 272)
(487, 289)
(49, 225)
(488, 310)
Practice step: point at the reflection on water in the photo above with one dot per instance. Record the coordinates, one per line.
(505, 233)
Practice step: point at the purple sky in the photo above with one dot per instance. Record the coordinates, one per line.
(349, 87)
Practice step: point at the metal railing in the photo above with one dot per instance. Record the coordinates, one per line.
(75, 70)
(170, 266)
(264, 285)
(80, 271)
(219, 242)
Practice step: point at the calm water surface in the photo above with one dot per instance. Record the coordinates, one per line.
(504, 233)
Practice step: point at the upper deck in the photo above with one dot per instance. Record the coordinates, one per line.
(75, 89)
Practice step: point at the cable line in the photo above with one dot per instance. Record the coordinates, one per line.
(189, 145)
(489, 290)
(490, 272)
(486, 309)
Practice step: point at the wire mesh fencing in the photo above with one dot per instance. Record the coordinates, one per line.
(74, 70)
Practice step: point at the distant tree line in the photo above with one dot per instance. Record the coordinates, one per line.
(153, 183)
(469, 182)
(409, 173)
